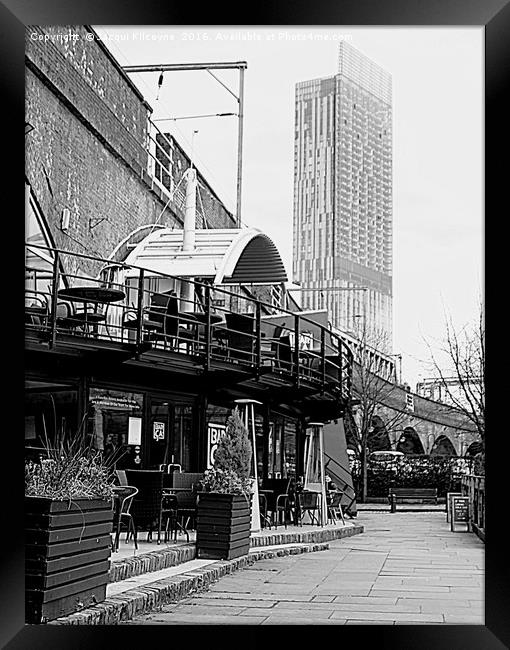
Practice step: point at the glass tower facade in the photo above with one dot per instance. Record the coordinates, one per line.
(343, 195)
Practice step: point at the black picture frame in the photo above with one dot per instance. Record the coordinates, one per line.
(495, 16)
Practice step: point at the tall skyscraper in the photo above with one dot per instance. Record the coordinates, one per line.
(343, 194)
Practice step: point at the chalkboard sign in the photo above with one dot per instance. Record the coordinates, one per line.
(460, 512)
(449, 497)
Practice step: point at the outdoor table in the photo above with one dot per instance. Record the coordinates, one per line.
(195, 320)
(89, 294)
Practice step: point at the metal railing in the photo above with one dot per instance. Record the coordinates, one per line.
(474, 487)
(176, 315)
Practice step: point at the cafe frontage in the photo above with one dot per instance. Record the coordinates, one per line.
(149, 365)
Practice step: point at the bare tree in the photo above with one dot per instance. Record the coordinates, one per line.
(373, 388)
(459, 368)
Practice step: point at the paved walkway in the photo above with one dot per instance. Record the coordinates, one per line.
(407, 568)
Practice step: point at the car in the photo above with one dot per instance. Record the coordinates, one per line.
(385, 456)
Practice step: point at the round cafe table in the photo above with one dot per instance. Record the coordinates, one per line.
(89, 294)
(196, 321)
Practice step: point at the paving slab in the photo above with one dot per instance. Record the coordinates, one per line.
(407, 568)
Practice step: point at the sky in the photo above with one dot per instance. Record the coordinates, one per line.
(438, 86)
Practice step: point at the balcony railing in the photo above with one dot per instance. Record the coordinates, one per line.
(126, 305)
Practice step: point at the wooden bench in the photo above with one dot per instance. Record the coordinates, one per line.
(414, 494)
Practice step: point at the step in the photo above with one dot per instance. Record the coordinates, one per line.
(150, 592)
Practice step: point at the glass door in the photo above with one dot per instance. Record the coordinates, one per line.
(159, 433)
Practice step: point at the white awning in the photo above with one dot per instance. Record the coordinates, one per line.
(228, 256)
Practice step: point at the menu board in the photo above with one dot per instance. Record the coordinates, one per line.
(449, 497)
(460, 512)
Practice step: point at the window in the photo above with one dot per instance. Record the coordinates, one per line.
(115, 425)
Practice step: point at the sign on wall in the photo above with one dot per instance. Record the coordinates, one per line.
(214, 434)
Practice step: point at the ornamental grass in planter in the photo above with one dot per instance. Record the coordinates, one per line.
(224, 505)
(68, 521)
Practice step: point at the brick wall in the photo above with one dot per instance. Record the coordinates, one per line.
(87, 152)
(217, 215)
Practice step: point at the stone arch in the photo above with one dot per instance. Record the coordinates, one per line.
(378, 438)
(474, 448)
(443, 446)
(410, 443)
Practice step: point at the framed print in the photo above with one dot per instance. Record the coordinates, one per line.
(362, 149)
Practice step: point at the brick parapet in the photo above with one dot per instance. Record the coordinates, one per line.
(153, 561)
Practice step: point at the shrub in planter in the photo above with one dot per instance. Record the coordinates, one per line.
(68, 521)
(224, 510)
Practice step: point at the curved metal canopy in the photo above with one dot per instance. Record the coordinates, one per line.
(228, 256)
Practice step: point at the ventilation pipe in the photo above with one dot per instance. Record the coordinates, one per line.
(188, 237)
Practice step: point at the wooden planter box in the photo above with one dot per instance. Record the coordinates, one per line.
(67, 556)
(223, 526)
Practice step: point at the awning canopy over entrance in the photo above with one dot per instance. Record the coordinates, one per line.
(230, 256)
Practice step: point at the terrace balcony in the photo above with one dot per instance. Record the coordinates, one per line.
(184, 327)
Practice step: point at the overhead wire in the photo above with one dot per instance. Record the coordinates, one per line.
(150, 93)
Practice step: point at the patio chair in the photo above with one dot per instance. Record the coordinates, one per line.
(123, 496)
(186, 509)
(120, 476)
(278, 501)
(146, 507)
(36, 310)
(309, 503)
(168, 510)
(284, 353)
(334, 506)
(159, 319)
(240, 337)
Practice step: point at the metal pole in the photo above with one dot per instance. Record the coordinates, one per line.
(54, 291)
(241, 65)
(240, 145)
(169, 67)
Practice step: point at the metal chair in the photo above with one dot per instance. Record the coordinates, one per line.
(121, 478)
(147, 504)
(240, 335)
(284, 353)
(186, 509)
(277, 501)
(36, 310)
(168, 509)
(123, 498)
(335, 507)
(310, 503)
(264, 519)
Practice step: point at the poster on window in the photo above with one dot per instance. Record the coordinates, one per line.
(134, 431)
(158, 431)
(214, 434)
